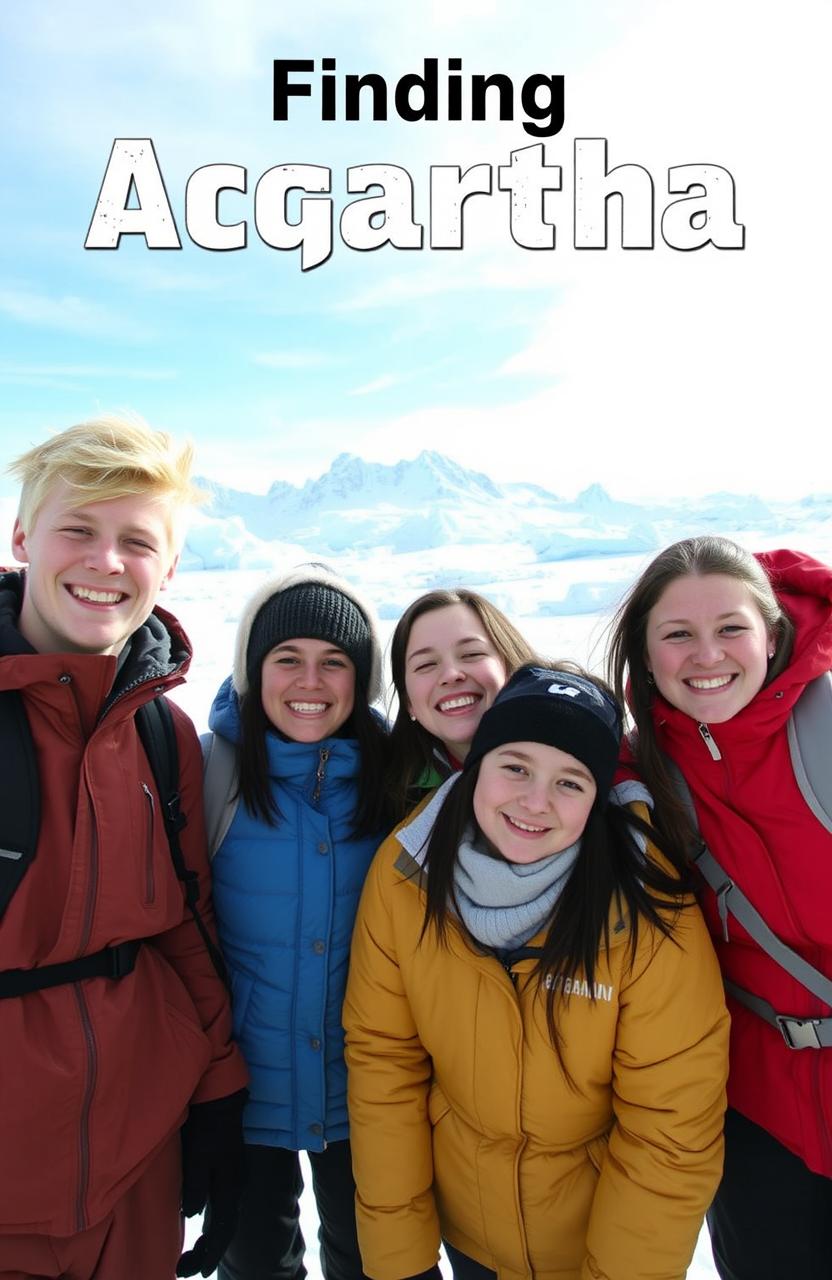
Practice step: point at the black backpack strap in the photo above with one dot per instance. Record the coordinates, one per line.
(111, 962)
(154, 721)
(19, 796)
(20, 811)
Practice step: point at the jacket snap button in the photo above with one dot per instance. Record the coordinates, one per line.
(316, 1128)
(65, 679)
(319, 946)
(323, 847)
(315, 1043)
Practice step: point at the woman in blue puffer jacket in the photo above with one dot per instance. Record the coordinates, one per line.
(295, 812)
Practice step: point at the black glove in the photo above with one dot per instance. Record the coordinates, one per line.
(212, 1177)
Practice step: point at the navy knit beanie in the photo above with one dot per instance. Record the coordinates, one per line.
(559, 709)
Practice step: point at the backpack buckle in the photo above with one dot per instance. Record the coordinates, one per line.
(799, 1033)
(176, 817)
(122, 959)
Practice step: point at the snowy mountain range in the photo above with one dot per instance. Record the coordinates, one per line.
(432, 502)
(558, 567)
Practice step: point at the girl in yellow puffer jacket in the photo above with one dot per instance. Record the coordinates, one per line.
(536, 1032)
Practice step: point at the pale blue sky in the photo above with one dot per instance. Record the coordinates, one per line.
(651, 371)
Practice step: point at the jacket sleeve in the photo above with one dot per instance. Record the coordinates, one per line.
(389, 1081)
(670, 1065)
(184, 948)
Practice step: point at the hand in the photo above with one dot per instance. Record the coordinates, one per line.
(212, 1178)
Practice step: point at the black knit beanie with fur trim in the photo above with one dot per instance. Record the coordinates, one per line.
(311, 611)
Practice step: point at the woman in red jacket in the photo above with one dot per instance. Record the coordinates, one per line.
(715, 646)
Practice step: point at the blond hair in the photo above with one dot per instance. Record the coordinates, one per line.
(106, 458)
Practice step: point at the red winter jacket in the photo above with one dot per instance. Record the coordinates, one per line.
(97, 1075)
(754, 819)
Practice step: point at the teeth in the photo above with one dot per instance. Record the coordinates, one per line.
(97, 597)
(524, 826)
(714, 682)
(308, 708)
(452, 704)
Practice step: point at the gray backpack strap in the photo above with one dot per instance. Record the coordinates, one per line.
(810, 739)
(798, 1033)
(219, 774)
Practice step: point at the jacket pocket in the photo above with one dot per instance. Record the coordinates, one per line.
(242, 986)
(150, 840)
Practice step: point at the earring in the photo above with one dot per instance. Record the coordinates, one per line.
(650, 679)
(771, 654)
(413, 718)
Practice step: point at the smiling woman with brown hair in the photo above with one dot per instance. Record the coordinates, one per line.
(451, 653)
(715, 648)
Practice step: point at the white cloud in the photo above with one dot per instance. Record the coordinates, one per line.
(382, 383)
(11, 372)
(291, 359)
(147, 276)
(457, 271)
(68, 313)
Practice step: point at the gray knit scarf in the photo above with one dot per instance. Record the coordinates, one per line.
(503, 904)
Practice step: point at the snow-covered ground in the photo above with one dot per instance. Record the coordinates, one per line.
(701, 1267)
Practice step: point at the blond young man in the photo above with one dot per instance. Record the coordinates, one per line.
(99, 1073)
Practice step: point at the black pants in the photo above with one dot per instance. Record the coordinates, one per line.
(772, 1217)
(268, 1244)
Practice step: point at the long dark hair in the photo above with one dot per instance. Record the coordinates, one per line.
(610, 871)
(412, 748)
(627, 664)
(372, 811)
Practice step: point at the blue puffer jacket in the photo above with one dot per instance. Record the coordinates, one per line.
(285, 899)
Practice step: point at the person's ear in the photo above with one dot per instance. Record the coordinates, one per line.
(19, 543)
(163, 585)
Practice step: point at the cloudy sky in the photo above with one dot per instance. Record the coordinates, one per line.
(653, 371)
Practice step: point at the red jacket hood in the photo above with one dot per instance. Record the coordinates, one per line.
(804, 588)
